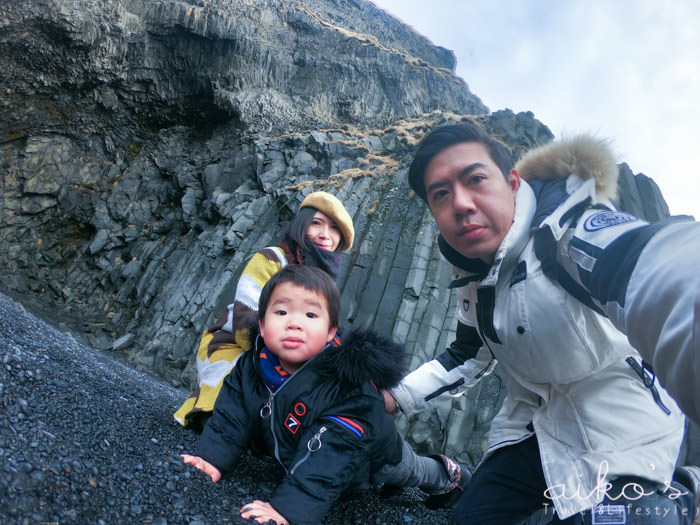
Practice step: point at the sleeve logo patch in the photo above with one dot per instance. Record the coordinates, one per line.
(605, 219)
(292, 424)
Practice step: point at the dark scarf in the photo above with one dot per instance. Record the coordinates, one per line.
(312, 255)
(272, 370)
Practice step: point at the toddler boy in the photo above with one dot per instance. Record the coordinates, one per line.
(314, 403)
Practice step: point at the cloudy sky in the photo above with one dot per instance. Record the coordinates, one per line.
(627, 70)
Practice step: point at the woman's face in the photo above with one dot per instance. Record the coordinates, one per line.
(323, 232)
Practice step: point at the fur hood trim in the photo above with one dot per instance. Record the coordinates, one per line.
(364, 355)
(583, 155)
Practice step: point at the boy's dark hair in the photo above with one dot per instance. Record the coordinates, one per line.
(442, 138)
(309, 277)
(296, 228)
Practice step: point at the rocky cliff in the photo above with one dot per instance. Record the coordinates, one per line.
(150, 147)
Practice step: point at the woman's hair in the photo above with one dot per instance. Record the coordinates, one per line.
(296, 229)
(309, 277)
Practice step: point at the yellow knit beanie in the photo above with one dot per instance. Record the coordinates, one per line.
(331, 206)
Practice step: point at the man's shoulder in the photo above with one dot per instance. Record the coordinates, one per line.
(549, 195)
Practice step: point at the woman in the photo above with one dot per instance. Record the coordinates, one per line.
(316, 236)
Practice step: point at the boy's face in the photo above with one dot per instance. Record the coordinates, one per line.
(296, 325)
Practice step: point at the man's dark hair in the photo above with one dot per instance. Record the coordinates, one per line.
(309, 277)
(442, 138)
(296, 228)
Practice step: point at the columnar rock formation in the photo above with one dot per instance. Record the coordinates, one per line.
(149, 147)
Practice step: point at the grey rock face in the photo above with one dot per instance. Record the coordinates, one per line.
(150, 148)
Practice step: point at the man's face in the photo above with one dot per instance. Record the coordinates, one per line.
(296, 325)
(472, 202)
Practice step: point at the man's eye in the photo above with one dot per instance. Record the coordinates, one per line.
(476, 179)
(438, 195)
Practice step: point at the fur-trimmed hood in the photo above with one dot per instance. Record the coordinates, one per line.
(363, 356)
(584, 155)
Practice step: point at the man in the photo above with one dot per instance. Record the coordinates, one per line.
(585, 434)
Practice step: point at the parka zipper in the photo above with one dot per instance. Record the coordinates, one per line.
(311, 446)
(266, 412)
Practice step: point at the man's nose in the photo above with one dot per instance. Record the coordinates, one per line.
(463, 200)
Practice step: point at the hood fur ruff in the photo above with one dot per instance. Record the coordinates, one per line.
(363, 356)
(583, 155)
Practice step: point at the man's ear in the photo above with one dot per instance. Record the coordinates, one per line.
(514, 180)
(262, 328)
(331, 333)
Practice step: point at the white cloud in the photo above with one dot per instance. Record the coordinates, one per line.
(628, 70)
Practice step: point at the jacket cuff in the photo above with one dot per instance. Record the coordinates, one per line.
(404, 401)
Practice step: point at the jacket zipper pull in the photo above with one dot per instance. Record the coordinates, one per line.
(648, 381)
(266, 410)
(315, 442)
(312, 445)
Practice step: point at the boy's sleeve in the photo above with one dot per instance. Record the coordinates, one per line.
(227, 433)
(329, 456)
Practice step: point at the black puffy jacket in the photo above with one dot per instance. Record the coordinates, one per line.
(326, 425)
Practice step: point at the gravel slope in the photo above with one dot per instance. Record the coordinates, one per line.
(85, 439)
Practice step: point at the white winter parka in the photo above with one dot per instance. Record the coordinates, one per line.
(572, 378)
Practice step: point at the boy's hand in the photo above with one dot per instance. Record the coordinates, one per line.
(262, 512)
(206, 467)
